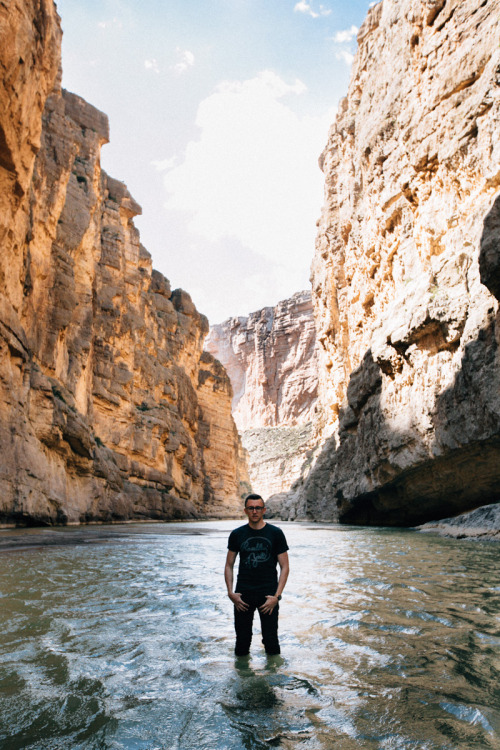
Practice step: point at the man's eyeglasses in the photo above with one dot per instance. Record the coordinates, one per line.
(252, 508)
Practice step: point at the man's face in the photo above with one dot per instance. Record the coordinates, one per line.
(255, 509)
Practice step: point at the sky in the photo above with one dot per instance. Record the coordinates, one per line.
(218, 110)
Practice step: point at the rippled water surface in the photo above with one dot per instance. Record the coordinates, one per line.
(390, 639)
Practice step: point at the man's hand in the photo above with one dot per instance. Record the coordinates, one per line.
(269, 605)
(238, 602)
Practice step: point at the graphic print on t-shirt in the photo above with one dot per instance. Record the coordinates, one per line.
(257, 550)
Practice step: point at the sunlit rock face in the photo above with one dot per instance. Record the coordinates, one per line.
(271, 359)
(105, 410)
(406, 272)
(225, 459)
(30, 39)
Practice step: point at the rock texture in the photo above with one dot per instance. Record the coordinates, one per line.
(106, 411)
(271, 359)
(406, 273)
(225, 459)
(482, 523)
(276, 457)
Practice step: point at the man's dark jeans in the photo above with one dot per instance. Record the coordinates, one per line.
(243, 626)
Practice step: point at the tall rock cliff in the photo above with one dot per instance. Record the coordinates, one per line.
(108, 408)
(271, 359)
(406, 275)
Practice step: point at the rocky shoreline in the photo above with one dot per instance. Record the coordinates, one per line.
(482, 523)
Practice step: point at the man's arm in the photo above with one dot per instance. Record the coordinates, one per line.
(228, 577)
(285, 569)
(272, 601)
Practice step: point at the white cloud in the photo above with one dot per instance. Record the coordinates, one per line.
(345, 56)
(164, 164)
(152, 65)
(304, 7)
(109, 24)
(252, 177)
(186, 60)
(345, 36)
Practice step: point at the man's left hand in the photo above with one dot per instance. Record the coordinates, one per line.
(269, 605)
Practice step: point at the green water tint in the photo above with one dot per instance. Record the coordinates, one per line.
(390, 640)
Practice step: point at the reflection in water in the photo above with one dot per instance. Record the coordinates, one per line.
(390, 640)
(267, 705)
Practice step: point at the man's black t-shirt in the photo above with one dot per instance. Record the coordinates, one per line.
(258, 550)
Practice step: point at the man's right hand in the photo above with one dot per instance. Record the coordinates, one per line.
(238, 602)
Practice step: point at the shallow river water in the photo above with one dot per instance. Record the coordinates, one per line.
(390, 640)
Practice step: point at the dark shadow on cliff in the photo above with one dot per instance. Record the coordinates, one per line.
(489, 253)
(378, 475)
(460, 471)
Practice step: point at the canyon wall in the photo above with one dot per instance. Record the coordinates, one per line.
(109, 409)
(406, 275)
(271, 359)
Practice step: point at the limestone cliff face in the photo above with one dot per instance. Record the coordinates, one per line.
(271, 359)
(406, 272)
(224, 456)
(105, 412)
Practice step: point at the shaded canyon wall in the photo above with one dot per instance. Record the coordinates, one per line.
(406, 275)
(271, 359)
(109, 410)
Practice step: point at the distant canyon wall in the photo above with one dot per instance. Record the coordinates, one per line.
(109, 409)
(271, 359)
(406, 275)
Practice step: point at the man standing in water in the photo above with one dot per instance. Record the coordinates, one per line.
(260, 546)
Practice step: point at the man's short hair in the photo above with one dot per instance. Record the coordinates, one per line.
(253, 497)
